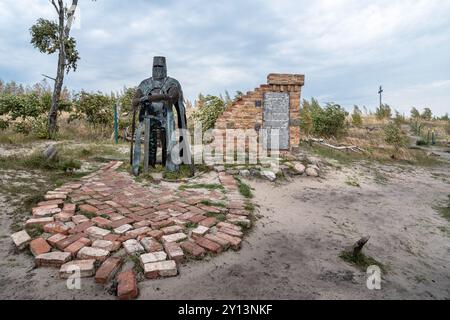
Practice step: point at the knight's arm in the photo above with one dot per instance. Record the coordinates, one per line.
(137, 99)
(172, 96)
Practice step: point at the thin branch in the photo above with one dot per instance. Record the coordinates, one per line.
(54, 4)
(70, 17)
(49, 77)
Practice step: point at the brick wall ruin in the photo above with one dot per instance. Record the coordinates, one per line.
(249, 111)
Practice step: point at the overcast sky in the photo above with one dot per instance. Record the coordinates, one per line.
(345, 48)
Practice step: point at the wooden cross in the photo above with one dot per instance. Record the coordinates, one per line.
(381, 95)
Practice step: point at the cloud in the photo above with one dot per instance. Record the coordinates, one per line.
(346, 48)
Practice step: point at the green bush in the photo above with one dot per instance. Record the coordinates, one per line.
(329, 121)
(394, 136)
(97, 109)
(383, 112)
(210, 108)
(357, 117)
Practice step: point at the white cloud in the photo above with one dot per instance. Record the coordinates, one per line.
(346, 48)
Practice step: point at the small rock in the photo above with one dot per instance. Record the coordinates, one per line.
(244, 173)
(313, 171)
(269, 175)
(299, 168)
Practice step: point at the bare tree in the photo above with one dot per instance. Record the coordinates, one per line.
(50, 37)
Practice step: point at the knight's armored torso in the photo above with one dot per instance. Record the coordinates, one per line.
(157, 110)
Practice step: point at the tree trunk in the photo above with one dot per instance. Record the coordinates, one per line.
(53, 114)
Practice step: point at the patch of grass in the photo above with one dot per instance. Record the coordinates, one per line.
(244, 189)
(250, 207)
(35, 231)
(202, 186)
(353, 182)
(445, 210)
(37, 161)
(361, 261)
(183, 173)
(88, 215)
(380, 178)
(219, 216)
(191, 225)
(214, 203)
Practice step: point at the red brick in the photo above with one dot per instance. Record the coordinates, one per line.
(232, 232)
(195, 210)
(162, 224)
(111, 237)
(56, 227)
(155, 234)
(39, 246)
(53, 240)
(193, 249)
(82, 227)
(77, 246)
(118, 223)
(108, 270)
(197, 219)
(61, 245)
(174, 251)
(51, 202)
(69, 208)
(234, 241)
(88, 208)
(209, 245)
(209, 222)
(101, 222)
(225, 244)
(127, 286)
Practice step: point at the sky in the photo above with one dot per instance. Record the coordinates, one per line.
(345, 48)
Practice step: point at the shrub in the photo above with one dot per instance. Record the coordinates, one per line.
(383, 112)
(329, 121)
(394, 136)
(95, 108)
(209, 109)
(427, 114)
(357, 117)
(306, 118)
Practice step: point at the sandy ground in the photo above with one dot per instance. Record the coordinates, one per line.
(293, 250)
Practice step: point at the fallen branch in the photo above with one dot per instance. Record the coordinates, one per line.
(357, 247)
(339, 148)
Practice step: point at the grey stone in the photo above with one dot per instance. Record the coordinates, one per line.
(50, 153)
(269, 175)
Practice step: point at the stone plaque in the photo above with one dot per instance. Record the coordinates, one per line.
(276, 119)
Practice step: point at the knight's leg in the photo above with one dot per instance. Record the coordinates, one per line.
(153, 143)
(137, 150)
(171, 143)
(164, 146)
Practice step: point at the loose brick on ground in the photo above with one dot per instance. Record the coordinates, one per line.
(197, 219)
(108, 270)
(152, 257)
(176, 237)
(93, 253)
(137, 232)
(56, 227)
(21, 239)
(200, 231)
(64, 243)
(160, 269)
(209, 222)
(39, 246)
(97, 233)
(235, 242)
(75, 247)
(38, 222)
(193, 249)
(82, 227)
(232, 232)
(172, 230)
(88, 208)
(174, 251)
(53, 240)
(53, 259)
(225, 244)
(209, 245)
(151, 245)
(101, 222)
(83, 268)
(107, 245)
(132, 246)
(79, 219)
(127, 286)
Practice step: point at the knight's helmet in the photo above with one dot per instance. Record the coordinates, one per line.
(159, 68)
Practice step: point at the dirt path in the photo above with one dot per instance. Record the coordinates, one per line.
(292, 253)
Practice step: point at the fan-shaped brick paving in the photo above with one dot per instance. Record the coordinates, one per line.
(91, 227)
